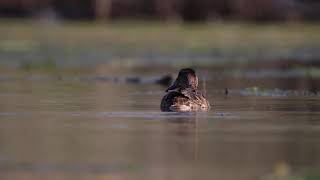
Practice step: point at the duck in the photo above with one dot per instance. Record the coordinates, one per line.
(183, 95)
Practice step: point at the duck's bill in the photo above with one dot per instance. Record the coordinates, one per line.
(172, 87)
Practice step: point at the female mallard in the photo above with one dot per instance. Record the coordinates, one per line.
(183, 94)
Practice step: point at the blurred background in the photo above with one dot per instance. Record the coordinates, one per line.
(81, 84)
(184, 10)
(159, 32)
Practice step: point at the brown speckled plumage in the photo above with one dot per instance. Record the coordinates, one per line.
(183, 94)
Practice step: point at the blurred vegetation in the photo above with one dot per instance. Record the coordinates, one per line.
(133, 43)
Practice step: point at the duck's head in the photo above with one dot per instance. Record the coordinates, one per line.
(187, 78)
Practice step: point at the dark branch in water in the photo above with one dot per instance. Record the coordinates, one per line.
(164, 80)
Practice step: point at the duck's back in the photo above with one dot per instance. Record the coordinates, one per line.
(177, 101)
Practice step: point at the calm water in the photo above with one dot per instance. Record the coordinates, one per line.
(62, 126)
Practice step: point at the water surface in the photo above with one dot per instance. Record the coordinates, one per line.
(62, 126)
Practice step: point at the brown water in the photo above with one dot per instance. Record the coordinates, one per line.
(61, 126)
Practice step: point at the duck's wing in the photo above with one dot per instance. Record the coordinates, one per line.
(175, 101)
(196, 98)
(185, 100)
(168, 100)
